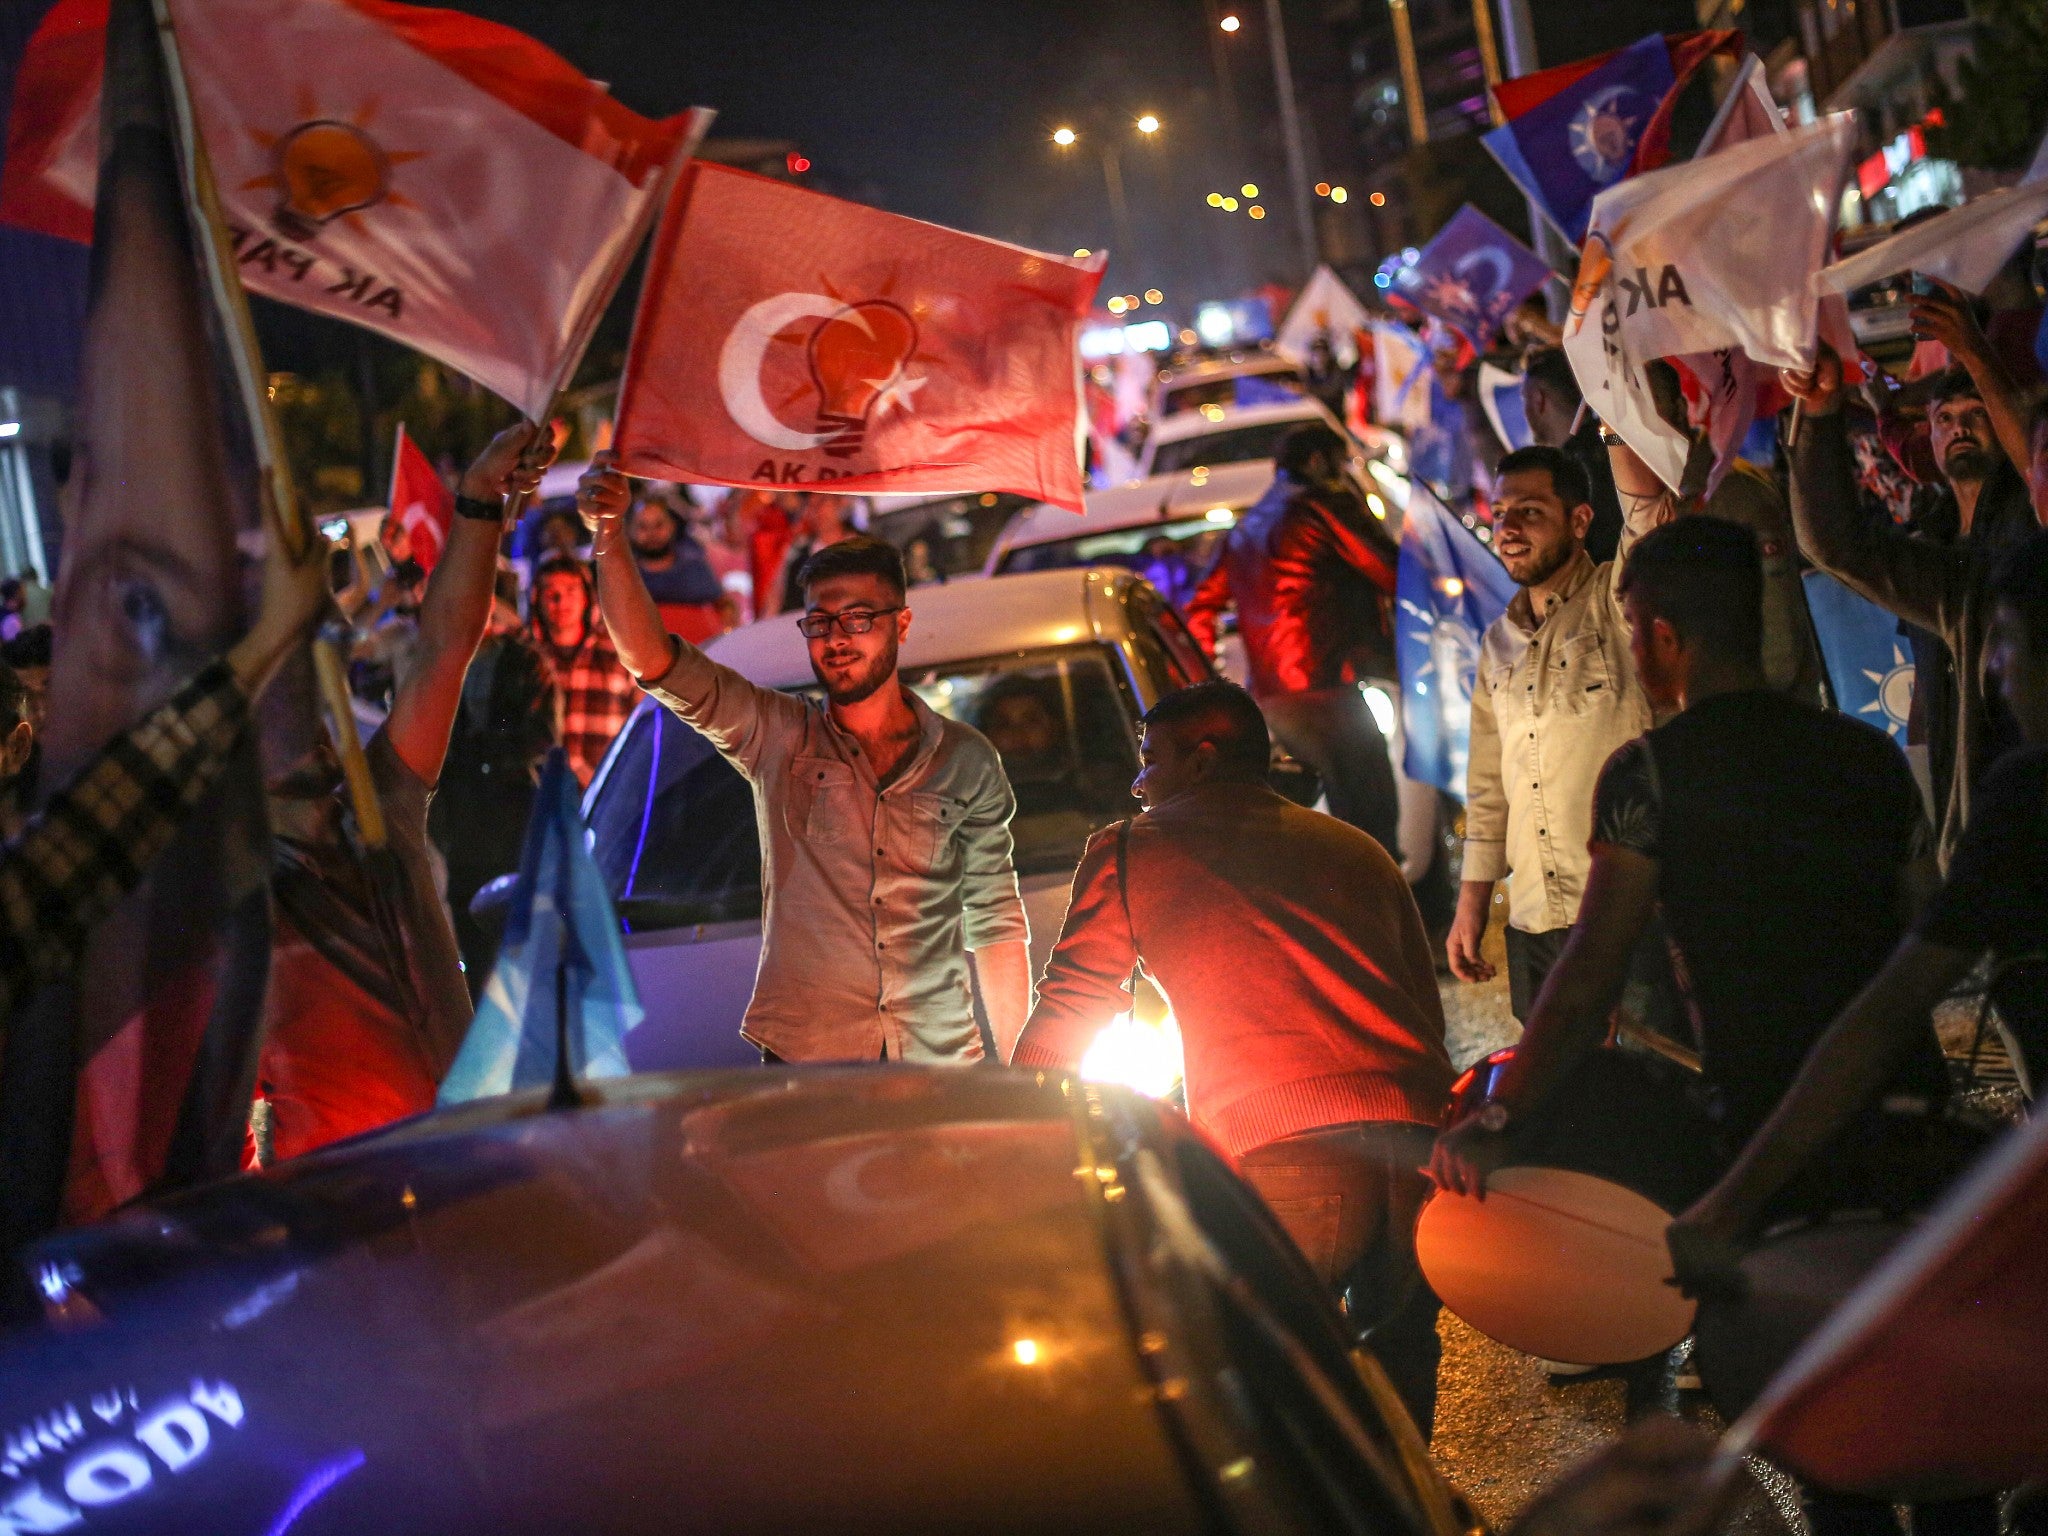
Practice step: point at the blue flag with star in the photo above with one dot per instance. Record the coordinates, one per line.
(561, 952)
(1448, 588)
(1870, 666)
(1565, 149)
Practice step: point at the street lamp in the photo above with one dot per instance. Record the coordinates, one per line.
(1148, 124)
(1063, 137)
(1230, 23)
(1112, 174)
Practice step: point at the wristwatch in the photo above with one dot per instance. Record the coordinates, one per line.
(1492, 1117)
(480, 511)
(1608, 435)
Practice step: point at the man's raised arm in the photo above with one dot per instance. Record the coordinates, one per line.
(458, 602)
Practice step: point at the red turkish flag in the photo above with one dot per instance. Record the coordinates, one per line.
(1926, 1383)
(422, 505)
(788, 338)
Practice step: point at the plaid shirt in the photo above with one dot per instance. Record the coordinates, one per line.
(594, 694)
(89, 846)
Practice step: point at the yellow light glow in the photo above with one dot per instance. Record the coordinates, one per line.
(1249, 189)
(1338, 194)
(1230, 23)
(1026, 1351)
(1322, 189)
(1453, 587)
(1215, 199)
(1187, 336)
(1213, 412)
(1130, 301)
(1220, 515)
(1083, 253)
(1063, 136)
(1379, 508)
(1256, 211)
(1378, 199)
(1230, 205)
(1154, 296)
(1116, 306)
(1199, 475)
(1148, 124)
(1131, 1054)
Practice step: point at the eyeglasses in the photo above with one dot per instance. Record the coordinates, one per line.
(855, 621)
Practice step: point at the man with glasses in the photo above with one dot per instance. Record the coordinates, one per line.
(885, 827)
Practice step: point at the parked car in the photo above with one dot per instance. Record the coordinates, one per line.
(942, 537)
(1232, 379)
(1226, 434)
(1084, 652)
(851, 1300)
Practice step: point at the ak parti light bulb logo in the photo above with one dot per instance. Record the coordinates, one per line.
(857, 358)
(325, 169)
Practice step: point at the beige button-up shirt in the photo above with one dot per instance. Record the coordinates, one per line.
(872, 895)
(1555, 694)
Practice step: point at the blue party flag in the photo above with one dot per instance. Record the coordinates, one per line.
(1448, 589)
(1582, 137)
(561, 970)
(1471, 276)
(1870, 666)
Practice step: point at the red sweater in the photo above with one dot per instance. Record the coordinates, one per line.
(1290, 950)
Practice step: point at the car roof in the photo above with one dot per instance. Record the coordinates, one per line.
(1184, 424)
(1156, 499)
(959, 620)
(1208, 369)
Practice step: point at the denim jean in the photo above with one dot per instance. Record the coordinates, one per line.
(1349, 1196)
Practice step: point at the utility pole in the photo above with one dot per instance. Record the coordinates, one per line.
(1290, 127)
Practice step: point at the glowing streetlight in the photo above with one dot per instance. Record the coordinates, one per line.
(1322, 189)
(1215, 199)
(1230, 23)
(1148, 124)
(1154, 296)
(1249, 189)
(1083, 254)
(1256, 211)
(1115, 306)
(1063, 137)
(1378, 199)
(1230, 205)
(1338, 194)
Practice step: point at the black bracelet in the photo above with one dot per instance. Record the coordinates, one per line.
(480, 511)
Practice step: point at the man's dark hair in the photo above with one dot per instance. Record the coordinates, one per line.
(1549, 367)
(1705, 578)
(861, 555)
(33, 647)
(1225, 716)
(564, 565)
(1950, 384)
(1304, 443)
(2020, 581)
(1567, 479)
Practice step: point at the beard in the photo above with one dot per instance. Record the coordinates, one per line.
(1968, 462)
(865, 682)
(1544, 564)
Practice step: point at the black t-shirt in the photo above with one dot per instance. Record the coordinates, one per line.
(1997, 892)
(1780, 833)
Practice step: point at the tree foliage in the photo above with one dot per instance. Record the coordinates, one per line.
(1997, 117)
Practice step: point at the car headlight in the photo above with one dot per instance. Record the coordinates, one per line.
(1130, 1053)
(1381, 703)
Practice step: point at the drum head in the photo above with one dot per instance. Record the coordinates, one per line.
(1792, 1282)
(1556, 1264)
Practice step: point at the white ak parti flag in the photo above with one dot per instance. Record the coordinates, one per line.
(1324, 307)
(1711, 254)
(445, 181)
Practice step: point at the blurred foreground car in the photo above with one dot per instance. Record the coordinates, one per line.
(845, 1300)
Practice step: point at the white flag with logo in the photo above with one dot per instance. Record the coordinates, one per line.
(1327, 308)
(1712, 254)
(443, 180)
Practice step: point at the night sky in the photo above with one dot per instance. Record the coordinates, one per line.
(943, 109)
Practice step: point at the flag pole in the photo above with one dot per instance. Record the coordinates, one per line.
(562, 1093)
(274, 477)
(651, 209)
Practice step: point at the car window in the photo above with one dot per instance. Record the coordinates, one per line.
(1172, 556)
(946, 538)
(1232, 445)
(1182, 660)
(672, 823)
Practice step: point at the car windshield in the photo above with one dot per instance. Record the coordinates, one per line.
(946, 538)
(1172, 556)
(1231, 445)
(672, 823)
(1245, 389)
